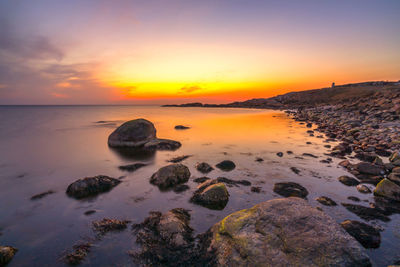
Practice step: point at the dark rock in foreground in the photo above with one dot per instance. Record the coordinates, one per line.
(133, 133)
(290, 189)
(226, 165)
(91, 186)
(165, 239)
(367, 235)
(326, 201)
(388, 189)
(170, 176)
(349, 181)
(132, 167)
(107, 225)
(366, 213)
(6, 254)
(204, 167)
(282, 232)
(211, 194)
(162, 144)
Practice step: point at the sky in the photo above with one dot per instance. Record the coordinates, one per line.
(178, 51)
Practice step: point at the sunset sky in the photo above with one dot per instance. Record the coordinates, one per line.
(170, 51)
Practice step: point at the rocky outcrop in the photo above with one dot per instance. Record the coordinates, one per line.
(91, 186)
(366, 234)
(283, 232)
(388, 189)
(226, 165)
(171, 175)
(290, 189)
(6, 254)
(132, 133)
(211, 194)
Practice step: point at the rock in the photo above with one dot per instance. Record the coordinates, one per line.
(204, 167)
(353, 198)
(394, 177)
(78, 254)
(170, 176)
(106, 225)
(226, 165)
(89, 212)
(295, 170)
(310, 155)
(165, 239)
(394, 157)
(396, 170)
(259, 159)
(367, 235)
(179, 159)
(365, 156)
(369, 168)
(42, 195)
(279, 154)
(345, 163)
(366, 213)
(349, 181)
(132, 167)
(162, 144)
(133, 133)
(283, 232)
(388, 189)
(233, 182)
(180, 188)
(211, 194)
(309, 125)
(91, 186)
(181, 127)
(255, 189)
(326, 201)
(290, 189)
(6, 254)
(201, 180)
(363, 189)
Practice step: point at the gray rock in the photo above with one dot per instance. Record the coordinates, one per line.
(290, 189)
(162, 144)
(226, 165)
(388, 189)
(283, 232)
(204, 167)
(170, 176)
(211, 194)
(366, 234)
(133, 133)
(91, 186)
(6, 254)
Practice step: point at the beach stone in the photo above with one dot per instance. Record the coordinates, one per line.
(283, 232)
(6, 254)
(91, 186)
(211, 194)
(394, 177)
(367, 235)
(366, 213)
(326, 201)
(394, 157)
(233, 182)
(347, 180)
(133, 133)
(181, 127)
(201, 180)
(369, 168)
(170, 175)
(132, 167)
(388, 189)
(279, 154)
(108, 225)
(162, 144)
(290, 189)
(204, 167)
(226, 165)
(363, 189)
(366, 156)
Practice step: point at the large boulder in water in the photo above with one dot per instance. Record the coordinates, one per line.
(283, 232)
(6, 254)
(91, 186)
(132, 133)
(170, 176)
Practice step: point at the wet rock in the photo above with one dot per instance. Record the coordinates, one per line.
(170, 176)
(255, 189)
(367, 235)
(353, 198)
(309, 125)
(91, 186)
(347, 180)
(290, 189)
(394, 177)
(259, 159)
(363, 189)
(283, 232)
(394, 157)
(326, 201)
(107, 225)
(42, 195)
(226, 165)
(165, 239)
(181, 127)
(133, 133)
(132, 167)
(6, 254)
(310, 155)
(289, 152)
(295, 170)
(162, 144)
(201, 180)
(366, 213)
(89, 212)
(78, 254)
(369, 168)
(181, 188)
(179, 159)
(204, 167)
(279, 154)
(233, 182)
(365, 156)
(345, 163)
(388, 189)
(211, 194)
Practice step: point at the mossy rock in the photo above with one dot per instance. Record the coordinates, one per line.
(388, 189)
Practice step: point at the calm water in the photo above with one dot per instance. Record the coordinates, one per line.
(48, 147)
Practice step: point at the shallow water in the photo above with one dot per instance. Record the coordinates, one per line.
(47, 147)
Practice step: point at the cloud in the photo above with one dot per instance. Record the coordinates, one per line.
(190, 88)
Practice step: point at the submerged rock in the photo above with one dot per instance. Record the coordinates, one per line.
(132, 167)
(162, 144)
(326, 201)
(204, 167)
(366, 213)
(295, 170)
(211, 194)
(78, 254)
(170, 176)
(91, 186)
(6, 254)
(201, 180)
(107, 225)
(179, 158)
(226, 165)
(133, 133)
(282, 232)
(233, 182)
(290, 189)
(42, 195)
(165, 239)
(181, 127)
(349, 181)
(367, 235)
(388, 189)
